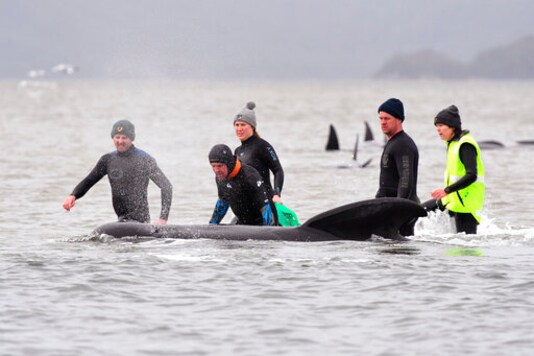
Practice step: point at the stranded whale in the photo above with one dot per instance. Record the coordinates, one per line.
(356, 221)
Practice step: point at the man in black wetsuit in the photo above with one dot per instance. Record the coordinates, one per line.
(400, 159)
(129, 170)
(240, 187)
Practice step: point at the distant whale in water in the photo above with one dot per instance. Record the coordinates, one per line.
(356, 221)
(490, 145)
(333, 145)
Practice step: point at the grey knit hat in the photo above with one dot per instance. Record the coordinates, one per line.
(123, 127)
(247, 115)
(449, 116)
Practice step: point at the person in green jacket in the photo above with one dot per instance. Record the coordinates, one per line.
(463, 191)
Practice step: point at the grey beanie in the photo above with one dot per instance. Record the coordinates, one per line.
(247, 115)
(123, 127)
(449, 116)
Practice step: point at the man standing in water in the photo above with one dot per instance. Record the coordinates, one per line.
(129, 170)
(400, 159)
(241, 188)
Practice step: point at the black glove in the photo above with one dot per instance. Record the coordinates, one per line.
(430, 205)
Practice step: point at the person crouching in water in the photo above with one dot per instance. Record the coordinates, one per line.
(463, 195)
(241, 188)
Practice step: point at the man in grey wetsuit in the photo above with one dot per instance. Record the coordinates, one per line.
(129, 170)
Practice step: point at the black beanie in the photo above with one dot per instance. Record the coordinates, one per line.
(393, 107)
(222, 154)
(123, 127)
(449, 116)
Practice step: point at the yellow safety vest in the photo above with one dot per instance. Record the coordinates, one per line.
(471, 198)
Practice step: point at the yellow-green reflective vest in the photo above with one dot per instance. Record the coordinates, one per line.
(471, 198)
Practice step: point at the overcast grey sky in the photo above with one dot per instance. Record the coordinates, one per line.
(240, 39)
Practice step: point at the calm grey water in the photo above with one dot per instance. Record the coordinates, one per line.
(65, 293)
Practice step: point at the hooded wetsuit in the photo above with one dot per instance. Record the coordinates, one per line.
(258, 153)
(129, 173)
(245, 193)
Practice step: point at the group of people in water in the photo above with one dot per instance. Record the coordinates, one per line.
(243, 176)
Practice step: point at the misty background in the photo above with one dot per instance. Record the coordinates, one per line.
(255, 39)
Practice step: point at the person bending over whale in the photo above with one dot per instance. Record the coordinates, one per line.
(463, 194)
(257, 152)
(241, 188)
(129, 170)
(400, 158)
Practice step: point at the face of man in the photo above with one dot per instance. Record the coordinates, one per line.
(220, 170)
(389, 124)
(446, 133)
(122, 142)
(243, 130)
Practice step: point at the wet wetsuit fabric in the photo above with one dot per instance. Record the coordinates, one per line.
(398, 168)
(398, 173)
(258, 153)
(129, 173)
(246, 195)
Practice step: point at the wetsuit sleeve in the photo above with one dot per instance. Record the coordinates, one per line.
(468, 156)
(405, 161)
(157, 176)
(92, 178)
(274, 165)
(219, 212)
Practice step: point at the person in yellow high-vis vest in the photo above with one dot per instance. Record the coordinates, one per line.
(463, 194)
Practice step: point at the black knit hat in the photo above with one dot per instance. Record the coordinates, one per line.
(449, 116)
(393, 107)
(222, 154)
(123, 127)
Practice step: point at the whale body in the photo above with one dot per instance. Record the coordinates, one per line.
(356, 221)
